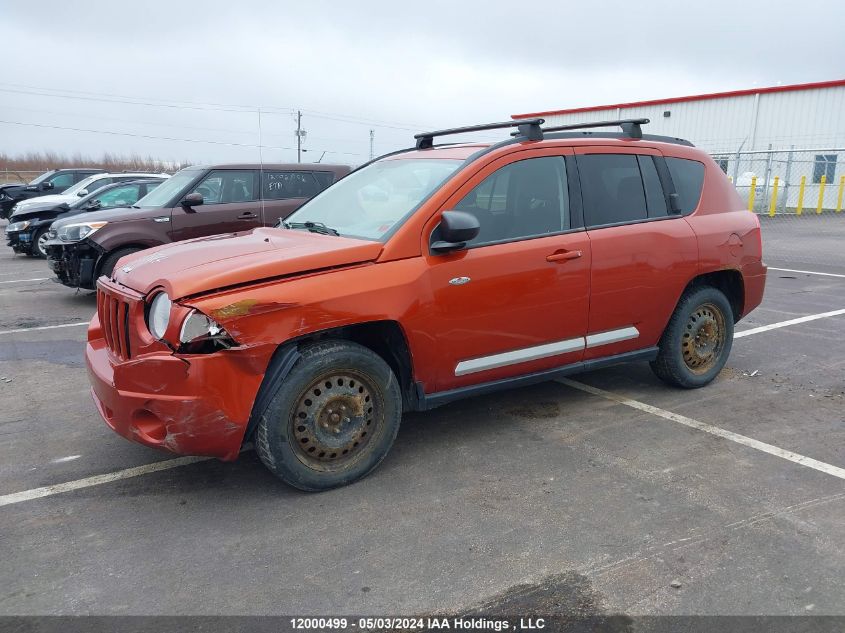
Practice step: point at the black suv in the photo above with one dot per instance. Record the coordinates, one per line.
(27, 230)
(53, 181)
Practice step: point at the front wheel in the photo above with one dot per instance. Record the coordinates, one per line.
(697, 342)
(333, 418)
(38, 247)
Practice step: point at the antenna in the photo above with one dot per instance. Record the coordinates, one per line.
(260, 166)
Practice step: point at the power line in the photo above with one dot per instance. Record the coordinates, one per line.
(196, 105)
(107, 94)
(143, 103)
(110, 118)
(168, 138)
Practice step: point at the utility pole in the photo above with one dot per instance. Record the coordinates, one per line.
(300, 134)
(372, 138)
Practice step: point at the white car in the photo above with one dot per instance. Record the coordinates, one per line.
(82, 189)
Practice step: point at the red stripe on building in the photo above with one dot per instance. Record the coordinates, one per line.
(715, 95)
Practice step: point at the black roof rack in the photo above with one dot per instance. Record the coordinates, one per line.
(630, 127)
(529, 128)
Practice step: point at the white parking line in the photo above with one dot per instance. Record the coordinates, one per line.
(96, 480)
(43, 327)
(809, 462)
(20, 281)
(780, 324)
(806, 272)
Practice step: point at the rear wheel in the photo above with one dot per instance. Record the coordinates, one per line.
(333, 419)
(697, 342)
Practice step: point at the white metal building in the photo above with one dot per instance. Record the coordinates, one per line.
(750, 133)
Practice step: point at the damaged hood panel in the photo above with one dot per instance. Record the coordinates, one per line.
(205, 264)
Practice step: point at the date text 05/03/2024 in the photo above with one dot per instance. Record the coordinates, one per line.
(418, 623)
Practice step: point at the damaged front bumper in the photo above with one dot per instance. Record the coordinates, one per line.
(73, 263)
(193, 404)
(20, 241)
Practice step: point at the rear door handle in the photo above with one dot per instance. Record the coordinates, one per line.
(562, 256)
(247, 215)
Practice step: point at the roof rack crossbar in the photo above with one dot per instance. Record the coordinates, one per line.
(630, 127)
(529, 128)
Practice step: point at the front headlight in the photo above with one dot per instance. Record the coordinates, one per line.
(14, 227)
(200, 333)
(77, 232)
(158, 317)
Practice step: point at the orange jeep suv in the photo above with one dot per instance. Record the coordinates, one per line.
(427, 275)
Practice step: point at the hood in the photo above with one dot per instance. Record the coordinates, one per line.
(12, 189)
(31, 211)
(54, 198)
(116, 214)
(205, 264)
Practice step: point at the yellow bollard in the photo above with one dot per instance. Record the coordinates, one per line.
(751, 193)
(774, 203)
(821, 193)
(839, 198)
(800, 206)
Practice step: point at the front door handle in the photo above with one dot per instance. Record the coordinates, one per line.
(247, 215)
(562, 256)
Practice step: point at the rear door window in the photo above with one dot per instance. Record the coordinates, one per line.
(612, 189)
(282, 185)
(688, 178)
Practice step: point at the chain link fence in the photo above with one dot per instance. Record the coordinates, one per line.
(799, 195)
(18, 176)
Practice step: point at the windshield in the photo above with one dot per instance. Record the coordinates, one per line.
(164, 193)
(368, 203)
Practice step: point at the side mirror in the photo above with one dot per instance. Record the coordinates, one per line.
(82, 193)
(192, 200)
(456, 229)
(94, 204)
(47, 185)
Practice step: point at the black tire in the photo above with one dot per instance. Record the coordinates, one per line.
(697, 341)
(110, 260)
(333, 419)
(34, 249)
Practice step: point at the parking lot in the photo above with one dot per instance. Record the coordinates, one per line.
(608, 493)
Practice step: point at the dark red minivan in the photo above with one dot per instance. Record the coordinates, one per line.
(196, 202)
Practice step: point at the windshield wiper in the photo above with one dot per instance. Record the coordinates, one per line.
(314, 227)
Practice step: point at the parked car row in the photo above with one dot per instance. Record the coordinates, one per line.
(53, 181)
(85, 228)
(27, 230)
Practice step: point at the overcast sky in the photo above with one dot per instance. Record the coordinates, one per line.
(197, 71)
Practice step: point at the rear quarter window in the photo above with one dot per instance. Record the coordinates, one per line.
(324, 178)
(688, 178)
